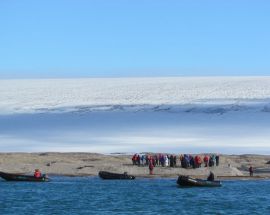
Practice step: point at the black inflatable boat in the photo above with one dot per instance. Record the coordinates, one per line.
(19, 177)
(186, 181)
(110, 175)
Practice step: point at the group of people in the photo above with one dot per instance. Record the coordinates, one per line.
(165, 160)
(156, 159)
(197, 161)
(186, 161)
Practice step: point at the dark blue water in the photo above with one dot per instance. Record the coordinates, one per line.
(90, 195)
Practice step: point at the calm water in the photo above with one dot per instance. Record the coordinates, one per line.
(143, 196)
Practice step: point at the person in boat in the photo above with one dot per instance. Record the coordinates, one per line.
(211, 177)
(250, 171)
(37, 173)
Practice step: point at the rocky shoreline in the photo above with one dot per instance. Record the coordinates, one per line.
(89, 164)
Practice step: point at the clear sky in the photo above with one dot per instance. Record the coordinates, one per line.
(78, 38)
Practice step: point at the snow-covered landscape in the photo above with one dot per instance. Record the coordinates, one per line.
(135, 94)
(176, 114)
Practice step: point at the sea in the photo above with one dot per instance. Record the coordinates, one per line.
(91, 195)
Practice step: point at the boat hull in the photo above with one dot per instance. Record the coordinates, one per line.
(115, 176)
(186, 181)
(19, 177)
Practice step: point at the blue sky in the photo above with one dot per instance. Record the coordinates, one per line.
(79, 38)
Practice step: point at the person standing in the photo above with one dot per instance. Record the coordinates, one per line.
(250, 171)
(142, 160)
(211, 161)
(156, 160)
(192, 162)
(166, 160)
(138, 160)
(134, 159)
(162, 160)
(159, 159)
(174, 161)
(147, 159)
(199, 161)
(206, 159)
(196, 161)
(171, 161)
(217, 160)
(151, 168)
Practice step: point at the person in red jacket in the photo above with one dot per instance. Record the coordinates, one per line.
(199, 161)
(151, 167)
(206, 159)
(196, 160)
(37, 173)
(134, 159)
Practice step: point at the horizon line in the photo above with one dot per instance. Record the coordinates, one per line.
(132, 76)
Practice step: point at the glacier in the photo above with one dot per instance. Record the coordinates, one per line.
(107, 115)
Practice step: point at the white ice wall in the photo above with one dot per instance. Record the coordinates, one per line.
(44, 95)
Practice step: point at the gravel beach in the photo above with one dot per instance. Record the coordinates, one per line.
(89, 164)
